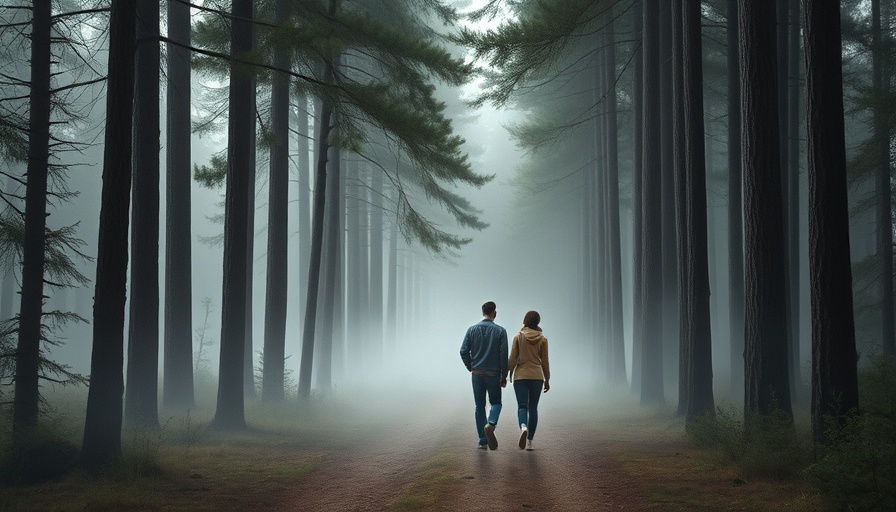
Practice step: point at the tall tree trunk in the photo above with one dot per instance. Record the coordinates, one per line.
(177, 378)
(598, 234)
(834, 380)
(27, 387)
(765, 339)
(230, 412)
(392, 286)
(670, 252)
(278, 229)
(248, 344)
(353, 264)
(637, 214)
(375, 331)
(699, 374)
(304, 200)
(881, 138)
(141, 393)
(793, 191)
(684, 332)
(618, 371)
(651, 188)
(363, 341)
(735, 209)
(102, 425)
(317, 235)
(324, 362)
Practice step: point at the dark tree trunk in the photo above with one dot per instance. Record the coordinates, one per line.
(7, 288)
(324, 362)
(765, 339)
(27, 387)
(637, 214)
(375, 315)
(230, 412)
(304, 200)
(651, 200)
(793, 192)
(834, 380)
(670, 250)
(598, 235)
(248, 344)
(881, 138)
(618, 371)
(142, 390)
(278, 229)
(177, 379)
(684, 331)
(353, 264)
(363, 341)
(317, 236)
(102, 426)
(699, 371)
(392, 284)
(735, 209)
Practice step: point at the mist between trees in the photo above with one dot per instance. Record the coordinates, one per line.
(296, 198)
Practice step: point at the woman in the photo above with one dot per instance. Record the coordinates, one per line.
(529, 357)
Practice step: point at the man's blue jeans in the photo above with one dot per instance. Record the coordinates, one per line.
(528, 391)
(483, 384)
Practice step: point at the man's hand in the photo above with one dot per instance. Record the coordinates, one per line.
(503, 383)
(547, 385)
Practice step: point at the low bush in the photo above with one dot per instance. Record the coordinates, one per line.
(769, 445)
(857, 469)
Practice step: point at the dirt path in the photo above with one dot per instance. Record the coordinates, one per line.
(569, 470)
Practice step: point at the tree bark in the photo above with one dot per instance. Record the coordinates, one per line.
(881, 137)
(141, 393)
(375, 316)
(230, 412)
(699, 371)
(102, 425)
(834, 380)
(667, 144)
(317, 232)
(765, 339)
(618, 371)
(735, 209)
(177, 378)
(27, 387)
(637, 214)
(651, 189)
(324, 362)
(684, 331)
(278, 229)
(304, 200)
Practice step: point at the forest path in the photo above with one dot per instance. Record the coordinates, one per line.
(425, 458)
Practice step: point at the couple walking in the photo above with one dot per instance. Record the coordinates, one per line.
(484, 353)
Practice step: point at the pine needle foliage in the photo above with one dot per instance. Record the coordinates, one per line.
(384, 89)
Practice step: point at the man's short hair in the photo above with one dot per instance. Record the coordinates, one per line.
(488, 309)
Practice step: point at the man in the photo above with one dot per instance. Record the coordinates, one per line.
(484, 352)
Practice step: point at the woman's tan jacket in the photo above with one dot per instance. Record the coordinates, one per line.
(529, 356)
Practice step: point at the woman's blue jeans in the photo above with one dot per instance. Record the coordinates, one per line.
(528, 391)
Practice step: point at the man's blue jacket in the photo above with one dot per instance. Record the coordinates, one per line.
(485, 348)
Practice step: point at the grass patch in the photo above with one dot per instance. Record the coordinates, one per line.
(438, 483)
(183, 464)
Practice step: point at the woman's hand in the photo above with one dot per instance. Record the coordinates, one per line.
(547, 385)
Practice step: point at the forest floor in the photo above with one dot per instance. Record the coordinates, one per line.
(419, 453)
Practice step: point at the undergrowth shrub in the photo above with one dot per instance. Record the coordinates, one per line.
(42, 454)
(768, 446)
(856, 470)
